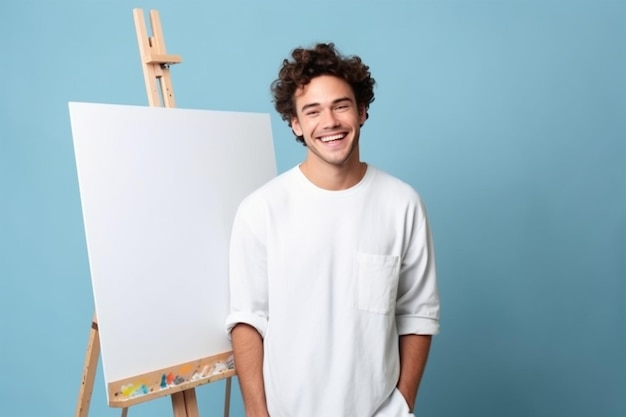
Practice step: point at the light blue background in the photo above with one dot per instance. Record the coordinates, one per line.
(509, 117)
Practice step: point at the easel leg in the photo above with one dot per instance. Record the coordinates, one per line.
(89, 370)
(227, 397)
(178, 405)
(185, 404)
(191, 403)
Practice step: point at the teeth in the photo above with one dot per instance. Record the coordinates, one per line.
(331, 138)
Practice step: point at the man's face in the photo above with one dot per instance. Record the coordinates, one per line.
(329, 120)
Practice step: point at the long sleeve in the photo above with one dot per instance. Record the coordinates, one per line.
(417, 305)
(248, 272)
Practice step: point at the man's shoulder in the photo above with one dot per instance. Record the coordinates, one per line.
(272, 188)
(393, 185)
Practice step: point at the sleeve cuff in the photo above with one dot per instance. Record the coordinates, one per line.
(258, 322)
(417, 325)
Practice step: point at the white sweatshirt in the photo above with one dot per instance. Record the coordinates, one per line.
(330, 279)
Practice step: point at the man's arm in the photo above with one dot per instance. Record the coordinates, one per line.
(248, 352)
(413, 355)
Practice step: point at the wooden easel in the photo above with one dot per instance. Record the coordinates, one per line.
(155, 63)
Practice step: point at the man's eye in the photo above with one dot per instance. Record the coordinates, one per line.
(312, 113)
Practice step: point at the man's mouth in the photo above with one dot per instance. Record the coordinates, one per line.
(332, 138)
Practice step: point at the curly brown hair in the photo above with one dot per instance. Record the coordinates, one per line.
(322, 59)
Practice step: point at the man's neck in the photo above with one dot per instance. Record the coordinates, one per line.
(334, 178)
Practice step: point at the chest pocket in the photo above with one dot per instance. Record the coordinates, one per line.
(377, 282)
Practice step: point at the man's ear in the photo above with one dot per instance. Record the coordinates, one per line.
(362, 115)
(295, 126)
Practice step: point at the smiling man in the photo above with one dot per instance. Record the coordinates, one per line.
(333, 290)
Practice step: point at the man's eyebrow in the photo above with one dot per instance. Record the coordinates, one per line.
(335, 101)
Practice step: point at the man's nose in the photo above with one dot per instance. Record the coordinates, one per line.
(329, 119)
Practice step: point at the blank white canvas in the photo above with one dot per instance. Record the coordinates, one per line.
(159, 189)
